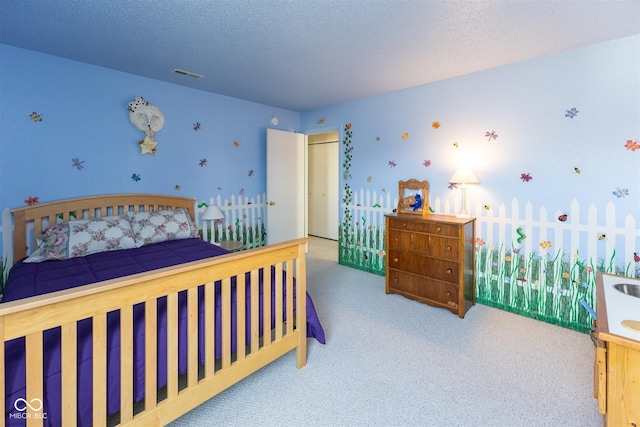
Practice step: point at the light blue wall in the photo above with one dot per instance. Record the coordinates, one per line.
(84, 115)
(525, 104)
(84, 111)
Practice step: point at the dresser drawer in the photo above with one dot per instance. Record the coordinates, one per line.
(423, 288)
(418, 264)
(436, 228)
(436, 246)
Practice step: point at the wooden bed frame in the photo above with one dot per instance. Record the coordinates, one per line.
(66, 308)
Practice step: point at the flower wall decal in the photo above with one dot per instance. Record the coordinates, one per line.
(526, 177)
(632, 145)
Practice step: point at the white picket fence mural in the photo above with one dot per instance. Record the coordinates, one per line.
(527, 261)
(243, 221)
(361, 242)
(608, 241)
(592, 239)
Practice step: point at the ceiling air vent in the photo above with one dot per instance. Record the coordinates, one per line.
(187, 74)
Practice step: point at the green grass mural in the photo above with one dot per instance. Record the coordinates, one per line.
(362, 247)
(251, 236)
(549, 286)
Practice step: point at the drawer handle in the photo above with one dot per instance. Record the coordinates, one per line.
(404, 225)
(396, 239)
(448, 248)
(449, 271)
(448, 294)
(395, 279)
(438, 229)
(395, 260)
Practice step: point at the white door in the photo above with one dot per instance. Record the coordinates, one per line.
(286, 210)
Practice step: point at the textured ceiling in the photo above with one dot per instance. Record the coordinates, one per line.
(305, 54)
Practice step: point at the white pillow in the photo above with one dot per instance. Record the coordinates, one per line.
(109, 233)
(159, 226)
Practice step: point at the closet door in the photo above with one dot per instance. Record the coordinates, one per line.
(323, 190)
(313, 198)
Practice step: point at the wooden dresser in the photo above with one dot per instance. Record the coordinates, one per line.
(431, 259)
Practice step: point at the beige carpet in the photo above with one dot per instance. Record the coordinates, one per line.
(390, 361)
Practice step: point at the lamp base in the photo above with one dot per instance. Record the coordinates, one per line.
(463, 215)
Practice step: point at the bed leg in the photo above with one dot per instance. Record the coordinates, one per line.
(301, 350)
(301, 305)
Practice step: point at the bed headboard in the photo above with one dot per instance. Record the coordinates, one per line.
(42, 215)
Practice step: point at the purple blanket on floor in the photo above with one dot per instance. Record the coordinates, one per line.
(35, 279)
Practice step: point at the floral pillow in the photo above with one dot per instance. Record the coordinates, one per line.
(109, 233)
(159, 226)
(194, 228)
(53, 243)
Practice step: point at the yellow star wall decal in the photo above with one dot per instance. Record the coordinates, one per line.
(147, 146)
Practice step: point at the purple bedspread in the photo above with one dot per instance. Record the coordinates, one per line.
(35, 279)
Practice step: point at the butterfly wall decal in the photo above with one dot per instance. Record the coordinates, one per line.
(571, 113)
(621, 192)
(77, 163)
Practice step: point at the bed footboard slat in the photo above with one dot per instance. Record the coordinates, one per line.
(255, 308)
(225, 327)
(289, 307)
(241, 317)
(267, 309)
(192, 333)
(150, 346)
(34, 370)
(126, 364)
(172, 345)
(209, 330)
(69, 373)
(99, 369)
(278, 294)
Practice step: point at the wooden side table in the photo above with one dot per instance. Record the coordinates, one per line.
(230, 245)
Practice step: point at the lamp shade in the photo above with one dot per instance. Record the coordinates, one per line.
(212, 212)
(464, 176)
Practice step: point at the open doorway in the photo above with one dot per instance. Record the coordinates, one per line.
(323, 162)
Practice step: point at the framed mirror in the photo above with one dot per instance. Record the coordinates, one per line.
(413, 197)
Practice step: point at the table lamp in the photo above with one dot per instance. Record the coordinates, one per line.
(212, 213)
(464, 176)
